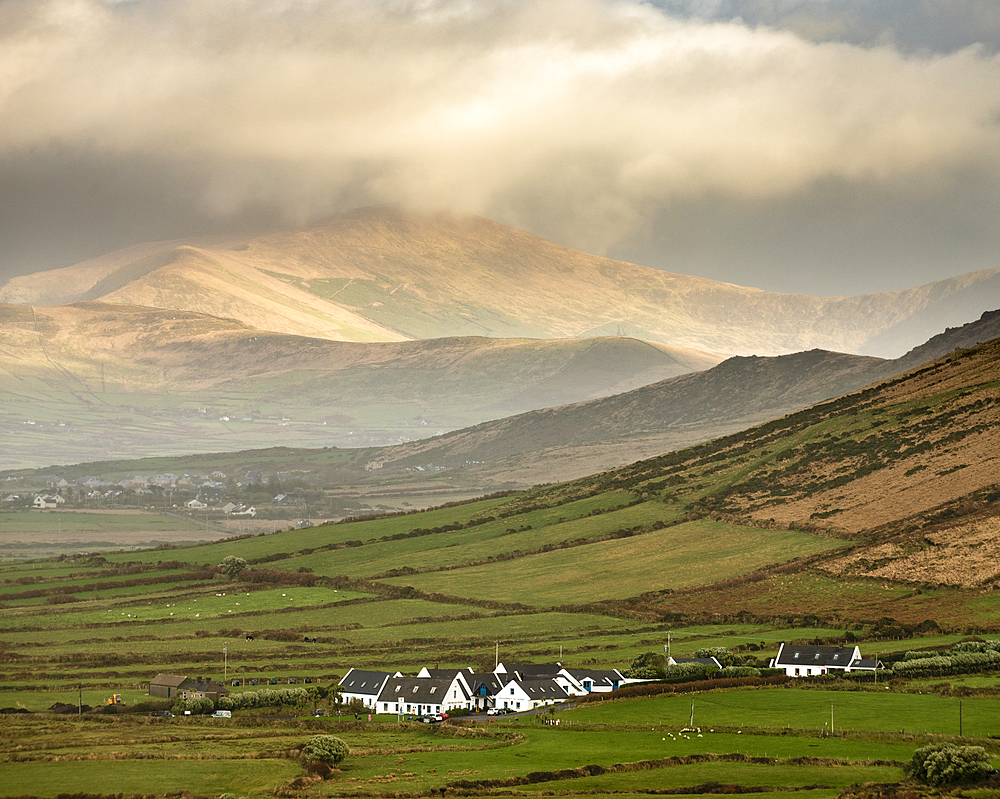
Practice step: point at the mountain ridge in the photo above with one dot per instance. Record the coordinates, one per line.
(383, 274)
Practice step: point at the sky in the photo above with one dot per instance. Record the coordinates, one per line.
(827, 147)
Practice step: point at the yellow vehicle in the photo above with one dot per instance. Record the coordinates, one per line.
(115, 699)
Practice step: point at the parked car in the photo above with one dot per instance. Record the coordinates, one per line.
(429, 719)
(222, 714)
(319, 712)
(164, 713)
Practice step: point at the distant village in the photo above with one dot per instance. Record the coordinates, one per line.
(209, 493)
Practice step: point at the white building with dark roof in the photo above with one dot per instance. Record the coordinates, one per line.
(526, 694)
(812, 661)
(580, 682)
(422, 695)
(364, 686)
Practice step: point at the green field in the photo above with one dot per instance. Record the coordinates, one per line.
(592, 574)
(689, 554)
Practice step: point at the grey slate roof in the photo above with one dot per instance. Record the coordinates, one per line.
(544, 688)
(829, 656)
(418, 690)
(364, 682)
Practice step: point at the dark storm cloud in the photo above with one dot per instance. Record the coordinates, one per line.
(690, 140)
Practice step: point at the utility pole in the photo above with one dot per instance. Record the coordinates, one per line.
(691, 722)
(497, 658)
(225, 660)
(959, 718)
(831, 717)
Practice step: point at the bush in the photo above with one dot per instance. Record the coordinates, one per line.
(947, 764)
(327, 749)
(232, 566)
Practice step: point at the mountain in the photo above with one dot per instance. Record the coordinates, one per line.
(84, 380)
(379, 274)
(563, 443)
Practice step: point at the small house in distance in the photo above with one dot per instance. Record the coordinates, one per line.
(810, 661)
(365, 686)
(166, 685)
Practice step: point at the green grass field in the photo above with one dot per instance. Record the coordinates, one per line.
(689, 554)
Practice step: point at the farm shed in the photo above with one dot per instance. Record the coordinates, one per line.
(166, 685)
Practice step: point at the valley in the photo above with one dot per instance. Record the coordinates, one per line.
(403, 500)
(788, 531)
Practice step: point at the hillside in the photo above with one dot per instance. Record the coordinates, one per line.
(378, 274)
(792, 517)
(83, 380)
(563, 443)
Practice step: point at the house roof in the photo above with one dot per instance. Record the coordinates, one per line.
(545, 688)
(204, 687)
(170, 680)
(364, 682)
(492, 682)
(830, 656)
(607, 676)
(419, 690)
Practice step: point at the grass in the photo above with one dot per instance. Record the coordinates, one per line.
(254, 777)
(689, 554)
(875, 710)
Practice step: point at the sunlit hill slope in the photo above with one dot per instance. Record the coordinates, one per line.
(381, 275)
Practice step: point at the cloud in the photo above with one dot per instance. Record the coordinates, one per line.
(582, 120)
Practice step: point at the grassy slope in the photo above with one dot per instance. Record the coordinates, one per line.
(733, 485)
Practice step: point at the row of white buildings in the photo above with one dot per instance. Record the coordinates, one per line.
(513, 688)
(525, 686)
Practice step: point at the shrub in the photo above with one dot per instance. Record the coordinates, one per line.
(327, 749)
(947, 764)
(232, 566)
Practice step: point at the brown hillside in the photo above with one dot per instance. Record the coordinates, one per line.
(380, 274)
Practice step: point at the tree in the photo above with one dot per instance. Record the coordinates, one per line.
(232, 566)
(327, 749)
(647, 666)
(948, 764)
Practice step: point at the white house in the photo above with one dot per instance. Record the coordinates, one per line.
(47, 501)
(811, 661)
(422, 695)
(580, 682)
(194, 504)
(363, 685)
(483, 690)
(518, 694)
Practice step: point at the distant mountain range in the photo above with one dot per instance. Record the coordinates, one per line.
(378, 274)
(98, 380)
(382, 327)
(583, 438)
